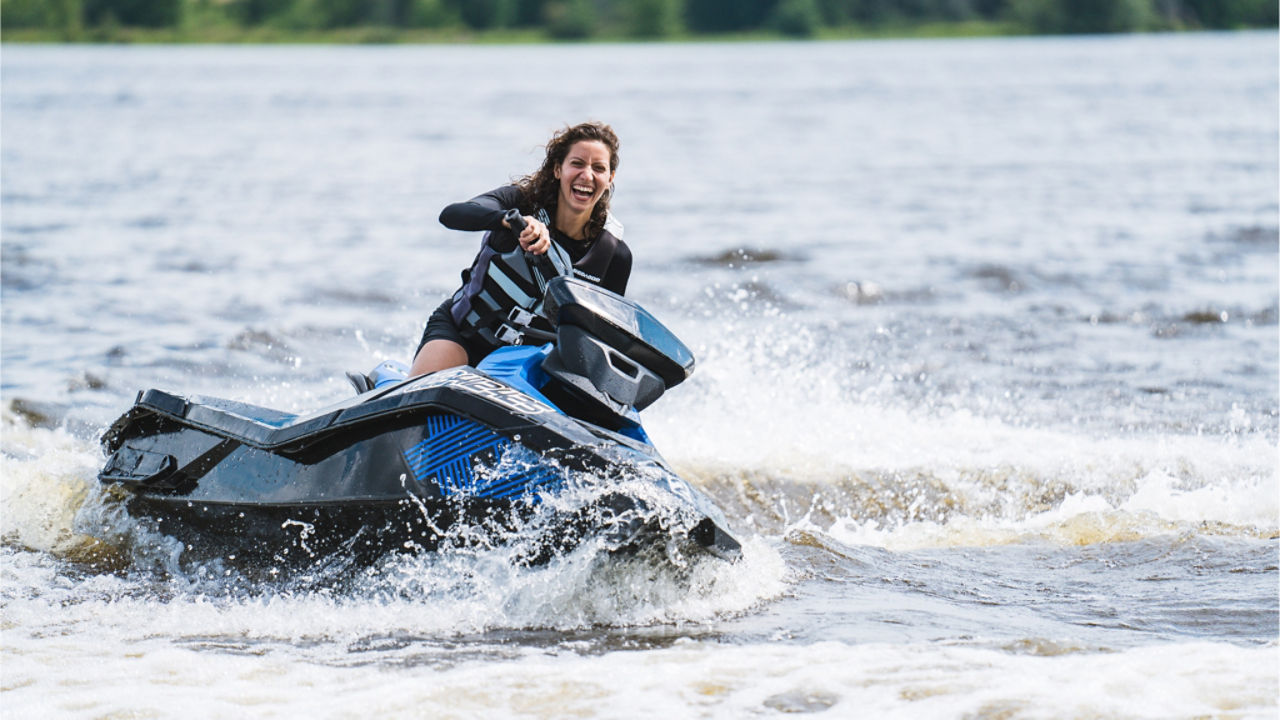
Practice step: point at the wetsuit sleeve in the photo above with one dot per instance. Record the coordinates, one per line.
(482, 212)
(619, 271)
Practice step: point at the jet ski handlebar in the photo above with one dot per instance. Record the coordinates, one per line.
(515, 221)
(548, 263)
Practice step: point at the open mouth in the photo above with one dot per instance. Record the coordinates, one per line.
(582, 192)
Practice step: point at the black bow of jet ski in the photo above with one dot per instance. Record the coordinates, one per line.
(410, 460)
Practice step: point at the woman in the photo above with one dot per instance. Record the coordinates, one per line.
(566, 202)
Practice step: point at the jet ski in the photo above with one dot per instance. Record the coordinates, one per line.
(545, 432)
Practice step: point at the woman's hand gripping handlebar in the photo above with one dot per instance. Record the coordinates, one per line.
(533, 236)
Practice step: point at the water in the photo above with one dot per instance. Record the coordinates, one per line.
(987, 373)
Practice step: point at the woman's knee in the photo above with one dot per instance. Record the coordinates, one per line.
(438, 355)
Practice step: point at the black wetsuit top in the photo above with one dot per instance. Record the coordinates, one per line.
(484, 212)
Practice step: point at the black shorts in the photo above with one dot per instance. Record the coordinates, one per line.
(440, 326)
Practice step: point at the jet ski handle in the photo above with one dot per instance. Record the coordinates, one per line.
(543, 262)
(515, 221)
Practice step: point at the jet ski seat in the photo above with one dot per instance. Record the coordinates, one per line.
(274, 429)
(247, 423)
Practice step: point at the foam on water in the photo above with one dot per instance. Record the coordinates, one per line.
(413, 597)
(45, 478)
(139, 672)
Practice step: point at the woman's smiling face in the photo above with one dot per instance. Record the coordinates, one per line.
(584, 176)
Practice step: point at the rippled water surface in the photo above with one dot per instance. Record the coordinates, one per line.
(987, 373)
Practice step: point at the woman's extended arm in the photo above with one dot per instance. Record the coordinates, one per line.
(482, 212)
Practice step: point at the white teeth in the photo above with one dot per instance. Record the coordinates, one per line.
(581, 189)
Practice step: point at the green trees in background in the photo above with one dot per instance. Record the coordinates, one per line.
(63, 15)
(135, 13)
(576, 19)
(654, 18)
(797, 18)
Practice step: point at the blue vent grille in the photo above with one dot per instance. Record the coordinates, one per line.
(455, 446)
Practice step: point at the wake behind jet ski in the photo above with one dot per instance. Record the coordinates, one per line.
(549, 431)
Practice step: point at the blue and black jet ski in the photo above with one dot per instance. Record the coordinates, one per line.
(408, 461)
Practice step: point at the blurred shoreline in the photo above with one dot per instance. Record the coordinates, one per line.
(374, 35)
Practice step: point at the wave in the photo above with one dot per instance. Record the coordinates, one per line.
(776, 449)
(45, 478)
(914, 508)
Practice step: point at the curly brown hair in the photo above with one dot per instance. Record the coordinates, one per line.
(542, 190)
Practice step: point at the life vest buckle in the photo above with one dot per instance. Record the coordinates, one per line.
(520, 317)
(509, 335)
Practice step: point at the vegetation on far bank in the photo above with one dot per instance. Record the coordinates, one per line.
(454, 21)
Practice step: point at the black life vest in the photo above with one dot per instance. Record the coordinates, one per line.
(501, 295)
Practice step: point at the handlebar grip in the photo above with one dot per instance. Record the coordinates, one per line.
(515, 221)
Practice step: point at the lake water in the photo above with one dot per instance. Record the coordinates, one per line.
(987, 373)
